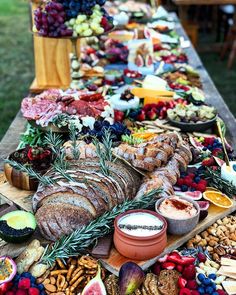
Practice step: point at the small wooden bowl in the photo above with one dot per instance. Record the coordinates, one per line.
(20, 179)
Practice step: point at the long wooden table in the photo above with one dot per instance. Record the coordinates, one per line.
(11, 139)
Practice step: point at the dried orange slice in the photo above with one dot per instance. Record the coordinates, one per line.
(217, 198)
(210, 188)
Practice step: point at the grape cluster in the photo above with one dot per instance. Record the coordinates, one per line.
(117, 130)
(75, 7)
(88, 25)
(50, 20)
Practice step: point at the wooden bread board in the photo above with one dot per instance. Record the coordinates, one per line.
(114, 262)
(23, 199)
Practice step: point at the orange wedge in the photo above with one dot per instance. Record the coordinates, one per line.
(217, 198)
(144, 136)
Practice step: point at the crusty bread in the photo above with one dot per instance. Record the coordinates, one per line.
(67, 206)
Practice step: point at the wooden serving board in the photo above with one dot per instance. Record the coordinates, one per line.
(23, 199)
(115, 261)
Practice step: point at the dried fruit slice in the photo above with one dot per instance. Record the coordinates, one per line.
(217, 198)
(7, 269)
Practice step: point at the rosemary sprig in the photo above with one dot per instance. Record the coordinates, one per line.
(102, 157)
(74, 143)
(79, 240)
(54, 141)
(214, 179)
(33, 174)
(107, 144)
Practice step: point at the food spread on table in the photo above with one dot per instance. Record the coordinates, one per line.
(118, 159)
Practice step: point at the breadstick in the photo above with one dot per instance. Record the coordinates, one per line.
(60, 263)
(60, 282)
(59, 272)
(70, 271)
(74, 279)
(76, 284)
(76, 271)
(65, 286)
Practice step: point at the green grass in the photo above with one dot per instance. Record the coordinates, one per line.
(16, 63)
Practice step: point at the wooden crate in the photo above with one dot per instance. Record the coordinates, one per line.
(51, 57)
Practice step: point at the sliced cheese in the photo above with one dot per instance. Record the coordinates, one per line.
(145, 92)
(230, 269)
(227, 273)
(230, 287)
(228, 262)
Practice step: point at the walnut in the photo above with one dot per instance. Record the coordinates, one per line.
(219, 250)
(205, 234)
(209, 249)
(212, 243)
(215, 257)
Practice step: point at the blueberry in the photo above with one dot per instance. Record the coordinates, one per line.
(26, 275)
(201, 277)
(184, 188)
(212, 276)
(40, 287)
(201, 290)
(209, 147)
(204, 149)
(197, 179)
(206, 282)
(215, 293)
(192, 189)
(183, 174)
(209, 290)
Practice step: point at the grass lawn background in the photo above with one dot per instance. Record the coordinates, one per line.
(17, 66)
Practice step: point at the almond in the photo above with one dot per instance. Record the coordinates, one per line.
(50, 288)
(53, 281)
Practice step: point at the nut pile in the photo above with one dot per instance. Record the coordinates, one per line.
(149, 286)
(219, 239)
(70, 278)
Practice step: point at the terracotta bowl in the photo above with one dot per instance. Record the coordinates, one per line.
(180, 226)
(140, 248)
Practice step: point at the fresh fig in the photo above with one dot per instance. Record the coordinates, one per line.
(131, 276)
(196, 195)
(95, 286)
(148, 60)
(204, 205)
(139, 61)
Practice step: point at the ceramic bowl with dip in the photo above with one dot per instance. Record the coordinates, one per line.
(140, 234)
(229, 172)
(181, 213)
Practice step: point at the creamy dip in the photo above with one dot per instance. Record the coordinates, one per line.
(177, 208)
(140, 224)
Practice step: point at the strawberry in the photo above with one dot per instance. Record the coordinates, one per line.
(179, 268)
(152, 115)
(192, 285)
(119, 116)
(33, 291)
(175, 257)
(189, 272)
(24, 283)
(10, 293)
(141, 116)
(217, 151)
(182, 282)
(163, 259)
(185, 291)
(208, 162)
(168, 265)
(194, 292)
(104, 22)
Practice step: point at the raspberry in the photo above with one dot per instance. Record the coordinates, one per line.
(208, 162)
(180, 181)
(221, 292)
(191, 175)
(24, 283)
(33, 291)
(192, 285)
(188, 181)
(10, 293)
(194, 292)
(21, 292)
(201, 187)
(189, 272)
(185, 291)
(203, 181)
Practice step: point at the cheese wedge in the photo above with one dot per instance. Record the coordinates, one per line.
(230, 287)
(145, 92)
